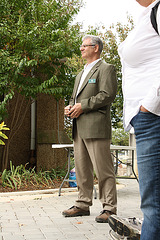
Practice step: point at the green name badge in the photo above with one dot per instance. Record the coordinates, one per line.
(92, 80)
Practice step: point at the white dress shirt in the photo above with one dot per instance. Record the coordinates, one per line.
(87, 69)
(140, 57)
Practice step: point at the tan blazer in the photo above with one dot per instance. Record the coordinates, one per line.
(96, 95)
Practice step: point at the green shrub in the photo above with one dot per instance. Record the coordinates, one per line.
(17, 177)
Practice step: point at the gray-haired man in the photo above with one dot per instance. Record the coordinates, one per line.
(94, 91)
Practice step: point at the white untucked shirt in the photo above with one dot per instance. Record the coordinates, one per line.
(140, 57)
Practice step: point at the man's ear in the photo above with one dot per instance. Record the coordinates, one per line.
(96, 48)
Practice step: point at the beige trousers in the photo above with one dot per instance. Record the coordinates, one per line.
(94, 154)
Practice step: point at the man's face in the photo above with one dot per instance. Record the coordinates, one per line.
(145, 3)
(87, 51)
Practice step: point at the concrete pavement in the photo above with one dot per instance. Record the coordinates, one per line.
(37, 215)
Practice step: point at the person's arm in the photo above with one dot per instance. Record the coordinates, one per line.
(151, 102)
(106, 95)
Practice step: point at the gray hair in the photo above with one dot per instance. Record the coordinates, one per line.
(95, 41)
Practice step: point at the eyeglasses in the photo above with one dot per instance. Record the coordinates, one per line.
(86, 45)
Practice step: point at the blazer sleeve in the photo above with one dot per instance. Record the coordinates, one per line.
(107, 90)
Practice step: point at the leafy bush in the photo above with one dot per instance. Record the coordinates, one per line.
(120, 137)
(19, 176)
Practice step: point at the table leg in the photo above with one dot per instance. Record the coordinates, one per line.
(133, 166)
(66, 176)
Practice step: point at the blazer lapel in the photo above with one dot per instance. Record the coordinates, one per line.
(77, 83)
(89, 75)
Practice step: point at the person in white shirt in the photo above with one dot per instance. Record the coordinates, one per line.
(94, 91)
(140, 57)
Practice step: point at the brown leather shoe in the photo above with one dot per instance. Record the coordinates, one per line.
(75, 212)
(103, 217)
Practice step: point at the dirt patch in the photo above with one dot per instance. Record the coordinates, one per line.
(31, 187)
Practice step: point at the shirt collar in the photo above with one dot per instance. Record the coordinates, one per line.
(148, 9)
(90, 65)
(152, 5)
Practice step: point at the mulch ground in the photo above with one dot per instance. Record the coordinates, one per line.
(31, 187)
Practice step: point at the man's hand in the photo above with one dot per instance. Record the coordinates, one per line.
(66, 110)
(75, 111)
(143, 109)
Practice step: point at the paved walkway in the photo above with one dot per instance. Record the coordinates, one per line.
(37, 215)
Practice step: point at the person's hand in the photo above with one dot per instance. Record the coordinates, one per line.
(76, 111)
(143, 109)
(66, 110)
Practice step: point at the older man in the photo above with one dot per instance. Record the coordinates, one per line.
(94, 91)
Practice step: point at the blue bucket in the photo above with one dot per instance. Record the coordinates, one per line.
(72, 176)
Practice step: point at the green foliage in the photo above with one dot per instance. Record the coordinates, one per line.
(36, 37)
(2, 135)
(19, 176)
(120, 137)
